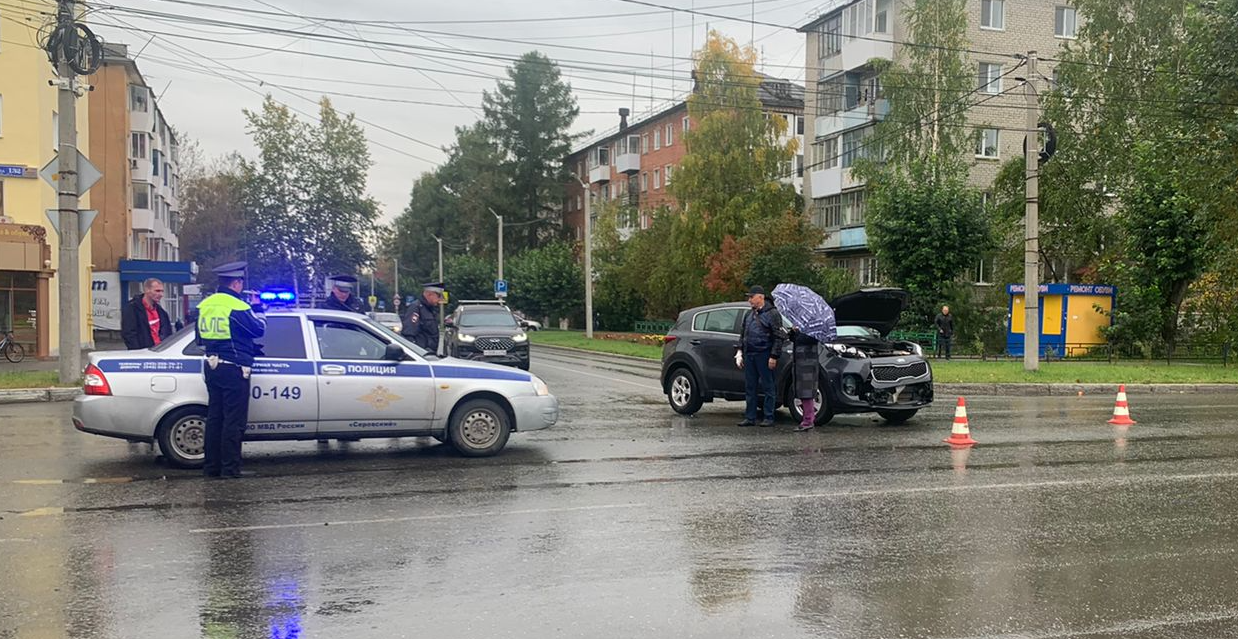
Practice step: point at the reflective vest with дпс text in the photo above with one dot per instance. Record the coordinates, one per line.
(214, 316)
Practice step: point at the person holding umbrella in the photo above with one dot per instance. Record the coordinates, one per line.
(812, 322)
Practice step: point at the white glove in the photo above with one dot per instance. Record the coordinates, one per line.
(739, 359)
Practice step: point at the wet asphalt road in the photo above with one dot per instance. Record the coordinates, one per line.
(629, 521)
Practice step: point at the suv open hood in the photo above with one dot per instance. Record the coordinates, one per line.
(876, 308)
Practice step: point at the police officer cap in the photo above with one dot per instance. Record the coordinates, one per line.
(434, 287)
(344, 282)
(231, 270)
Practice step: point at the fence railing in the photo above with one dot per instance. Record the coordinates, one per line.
(1181, 353)
(654, 327)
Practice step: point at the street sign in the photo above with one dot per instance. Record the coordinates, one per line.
(16, 171)
(500, 288)
(87, 174)
(373, 301)
(84, 220)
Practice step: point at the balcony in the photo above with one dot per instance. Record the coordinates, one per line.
(857, 116)
(599, 174)
(628, 163)
(827, 182)
(144, 220)
(856, 53)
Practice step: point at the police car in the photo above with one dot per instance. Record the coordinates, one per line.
(324, 375)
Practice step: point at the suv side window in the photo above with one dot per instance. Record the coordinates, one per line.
(283, 338)
(341, 340)
(719, 321)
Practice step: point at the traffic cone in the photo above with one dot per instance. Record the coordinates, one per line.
(1121, 410)
(960, 435)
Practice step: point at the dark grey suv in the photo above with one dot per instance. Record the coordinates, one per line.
(890, 378)
(489, 332)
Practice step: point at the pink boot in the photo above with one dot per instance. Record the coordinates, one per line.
(810, 414)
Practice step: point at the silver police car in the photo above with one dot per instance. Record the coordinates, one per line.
(323, 375)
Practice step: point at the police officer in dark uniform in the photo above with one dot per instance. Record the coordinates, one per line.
(226, 328)
(421, 323)
(342, 297)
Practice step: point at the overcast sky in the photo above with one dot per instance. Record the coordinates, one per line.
(377, 84)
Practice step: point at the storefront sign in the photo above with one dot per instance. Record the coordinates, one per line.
(106, 300)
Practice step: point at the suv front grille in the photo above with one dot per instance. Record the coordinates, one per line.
(888, 374)
(494, 344)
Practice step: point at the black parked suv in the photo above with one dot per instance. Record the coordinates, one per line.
(487, 331)
(887, 377)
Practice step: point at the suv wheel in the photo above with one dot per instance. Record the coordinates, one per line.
(479, 428)
(824, 414)
(683, 392)
(182, 437)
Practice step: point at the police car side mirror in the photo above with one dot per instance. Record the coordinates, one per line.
(395, 353)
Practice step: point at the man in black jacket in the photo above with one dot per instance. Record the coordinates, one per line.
(945, 331)
(761, 340)
(420, 325)
(342, 297)
(143, 322)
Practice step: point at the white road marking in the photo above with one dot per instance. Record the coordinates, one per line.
(606, 377)
(389, 520)
(1122, 628)
(877, 492)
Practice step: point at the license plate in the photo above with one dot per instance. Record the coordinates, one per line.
(492, 353)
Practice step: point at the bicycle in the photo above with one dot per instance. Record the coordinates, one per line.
(13, 351)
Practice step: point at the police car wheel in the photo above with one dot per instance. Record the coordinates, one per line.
(182, 437)
(479, 428)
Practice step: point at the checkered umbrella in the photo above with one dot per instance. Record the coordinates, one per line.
(806, 311)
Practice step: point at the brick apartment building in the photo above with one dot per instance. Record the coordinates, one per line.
(846, 101)
(635, 162)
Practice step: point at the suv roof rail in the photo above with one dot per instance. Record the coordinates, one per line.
(489, 302)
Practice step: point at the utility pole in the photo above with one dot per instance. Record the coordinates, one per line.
(70, 284)
(442, 306)
(1031, 225)
(396, 277)
(500, 218)
(588, 261)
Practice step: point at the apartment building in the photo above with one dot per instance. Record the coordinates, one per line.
(635, 163)
(846, 102)
(29, 139)
(136, 232)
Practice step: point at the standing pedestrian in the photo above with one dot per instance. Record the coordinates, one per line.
(227, 327)
(342, 297)
(420, 325)
(761, 340)
(945, 331)
(805, 365)
(143, 322)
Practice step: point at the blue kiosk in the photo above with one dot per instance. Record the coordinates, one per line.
(1071, 318)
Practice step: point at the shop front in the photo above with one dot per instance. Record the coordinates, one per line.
(25, 274)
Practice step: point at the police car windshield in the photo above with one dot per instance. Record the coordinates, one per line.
(398, 338)
(487, 319)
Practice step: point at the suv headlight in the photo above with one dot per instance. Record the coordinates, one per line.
(540, 387)
(520, 337)
(467, 339)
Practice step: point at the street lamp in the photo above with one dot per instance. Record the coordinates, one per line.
(498, 217)
(588, 261)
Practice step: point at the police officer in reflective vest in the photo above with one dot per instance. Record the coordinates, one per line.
(421, 324)
(227, 327)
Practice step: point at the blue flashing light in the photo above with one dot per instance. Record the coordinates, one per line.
(285, 296)
(266, 297)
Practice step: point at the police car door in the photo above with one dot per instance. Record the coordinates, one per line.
(283, 394)
(362, 394)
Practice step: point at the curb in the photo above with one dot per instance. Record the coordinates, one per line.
(29, 395)
(1061, 390)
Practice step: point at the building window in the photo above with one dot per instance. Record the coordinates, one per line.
(990, 78)
(852, 208)
(139, 99)
(155, 163)
(799, 165)
(644, 182)
(669, 136)
(686, 124)
(657, 179)
(881, 18)
(983, 272)
(137, 146)
(830, 37)
(869, 271)
(141, 195)
(669, 169)
(1065, 22)
(799, 125)
(986, 143)
(599, 157)
(993, 14)
(657, 139)
(857, 144)
(644, 144)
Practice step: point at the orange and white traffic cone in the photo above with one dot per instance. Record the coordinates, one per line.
(960, 434)
(1122, 410)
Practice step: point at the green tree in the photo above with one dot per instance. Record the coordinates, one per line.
(528, 117)
(471, 277)
(547, 281)
(213, 215)
(924, 223)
